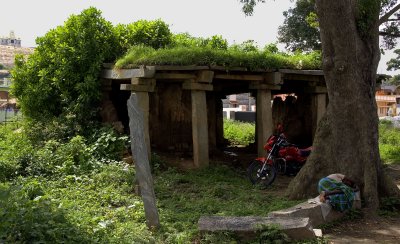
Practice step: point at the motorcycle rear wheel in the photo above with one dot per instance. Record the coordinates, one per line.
(257, 177)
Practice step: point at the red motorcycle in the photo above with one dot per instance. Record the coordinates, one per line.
(282, 157)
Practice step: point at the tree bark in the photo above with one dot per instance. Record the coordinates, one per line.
(346, 140)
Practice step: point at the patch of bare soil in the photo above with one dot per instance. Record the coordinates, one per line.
(369, 229)
(366, 230)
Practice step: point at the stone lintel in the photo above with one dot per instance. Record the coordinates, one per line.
(316, 89)
(125, 74)
(205, 76)
(143, 81)
(302, 72)
(239, 77)
(188, 85)
(257, 85)
(295, 228)
(274, 78)
(139, 88)
(174, 76)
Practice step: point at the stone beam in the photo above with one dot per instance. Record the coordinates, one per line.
(138, 88)
(205, 76)
(274, 78)
(127, 74)
(197, 86)
(316, 89)
(258, 86)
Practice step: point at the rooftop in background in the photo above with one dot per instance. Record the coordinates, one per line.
(11, 40)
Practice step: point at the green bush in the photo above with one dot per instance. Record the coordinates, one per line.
(155, 34)
(92, 208)
(239, 133)
(61, 77)
(19, 156)
(15, 151)
(389, 146)
(28, 215)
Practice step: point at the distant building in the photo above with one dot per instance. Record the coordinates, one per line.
(11, 40)
(388, 100)
(5, 82)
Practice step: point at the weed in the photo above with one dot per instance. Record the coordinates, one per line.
(389, 206)
(272, 234)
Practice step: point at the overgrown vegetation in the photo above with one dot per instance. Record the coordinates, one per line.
(231, 57)
(239, 133)
(77, 192)
(389, 138)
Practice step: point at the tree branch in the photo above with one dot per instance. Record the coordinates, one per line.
(382, 33)
(392, 20)
(386, 16)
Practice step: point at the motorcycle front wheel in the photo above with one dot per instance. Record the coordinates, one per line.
(261, 177)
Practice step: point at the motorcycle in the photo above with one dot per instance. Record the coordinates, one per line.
(282, 157)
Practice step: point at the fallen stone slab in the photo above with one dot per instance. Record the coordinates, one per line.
(319, 213)
(312, 211)
(248, 226)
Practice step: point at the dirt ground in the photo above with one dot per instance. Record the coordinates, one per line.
(367, 229)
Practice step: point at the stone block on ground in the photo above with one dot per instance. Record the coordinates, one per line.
(295, 228)
(312, 209)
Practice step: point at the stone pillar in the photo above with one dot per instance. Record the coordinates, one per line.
(200, 129)
(142, 87)
(264, 119)
(143, 102)
(319, 109)
(212, 121)
(198, 87)
(219, 127)
(142, 164)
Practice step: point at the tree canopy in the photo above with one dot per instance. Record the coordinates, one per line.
(61, 77)
(346, 139)
(300, 29)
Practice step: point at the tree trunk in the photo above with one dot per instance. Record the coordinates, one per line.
(346, 140)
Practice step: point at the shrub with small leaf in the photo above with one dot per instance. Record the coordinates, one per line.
(239, 133)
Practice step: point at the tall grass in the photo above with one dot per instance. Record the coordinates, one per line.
(239, 133)
(142, 55)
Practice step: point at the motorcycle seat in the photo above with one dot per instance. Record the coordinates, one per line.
(305, 152)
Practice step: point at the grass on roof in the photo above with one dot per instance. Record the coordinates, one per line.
(142, 55)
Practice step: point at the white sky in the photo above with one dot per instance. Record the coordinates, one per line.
(202, 18)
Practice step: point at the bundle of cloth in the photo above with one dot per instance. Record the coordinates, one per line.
(338, 191)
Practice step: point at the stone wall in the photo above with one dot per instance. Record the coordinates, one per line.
(170, 118)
